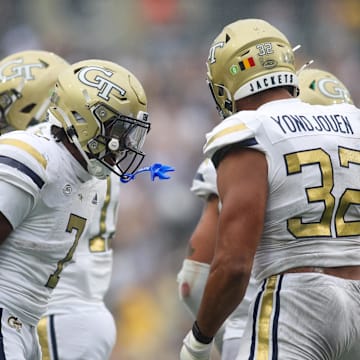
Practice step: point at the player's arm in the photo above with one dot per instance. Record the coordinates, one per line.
(243, 189)
(202, 240)
(195, 268)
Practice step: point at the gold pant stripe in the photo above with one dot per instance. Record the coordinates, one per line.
(267, 317)
(43, 338)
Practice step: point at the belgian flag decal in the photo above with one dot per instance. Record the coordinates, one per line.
(247, 63)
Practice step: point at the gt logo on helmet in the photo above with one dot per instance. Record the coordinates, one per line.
(22, 70)
(104, 85)
(332, 89)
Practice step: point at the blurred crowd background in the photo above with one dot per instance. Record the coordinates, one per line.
(165, 44)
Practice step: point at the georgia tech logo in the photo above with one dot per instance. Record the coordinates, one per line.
(15, 323)
(212, 50)
(18, 69)
(98, 82)
(332, 89)
(67, 189)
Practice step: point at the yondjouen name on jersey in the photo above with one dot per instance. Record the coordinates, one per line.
(299, 123)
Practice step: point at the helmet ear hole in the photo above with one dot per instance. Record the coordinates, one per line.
(28, 108)
(78, 118)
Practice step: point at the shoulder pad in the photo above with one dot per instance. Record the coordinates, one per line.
(230, 131)
(22, 151)
(204, 182)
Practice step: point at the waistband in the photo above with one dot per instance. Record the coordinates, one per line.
(344, 272)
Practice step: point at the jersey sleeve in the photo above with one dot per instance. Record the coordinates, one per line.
(204, 182)
(15, 203)
(22, 163)
(234, 130)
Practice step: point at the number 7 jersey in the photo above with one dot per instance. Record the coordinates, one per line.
(48, 215)
(86, 280)
(313, 157)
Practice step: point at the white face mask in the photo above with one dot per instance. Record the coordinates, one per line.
(97, 169)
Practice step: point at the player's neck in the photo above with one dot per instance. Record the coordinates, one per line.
(59, 134)
(75, 153)
(253, 102)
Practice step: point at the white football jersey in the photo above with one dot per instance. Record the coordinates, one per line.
(313, 157)
(46, 235)
(86, 280)
(204, 182)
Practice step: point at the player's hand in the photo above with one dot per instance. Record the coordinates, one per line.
(193, 349)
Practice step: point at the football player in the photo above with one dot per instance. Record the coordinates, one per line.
(97, 123)
(284, 173)
(316, 87)
(77, 323)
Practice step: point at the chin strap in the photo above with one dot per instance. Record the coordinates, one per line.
(156, 170)
(93, 168)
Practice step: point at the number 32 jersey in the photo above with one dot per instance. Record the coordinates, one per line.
(313, 157)
(44, 196)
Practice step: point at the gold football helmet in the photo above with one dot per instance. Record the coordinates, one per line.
(247, 57)
(321, 87)
(103, 109)
(26, 81)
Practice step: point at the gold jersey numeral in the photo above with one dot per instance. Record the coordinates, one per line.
(101, 241)
(323, 193)
(76, 223)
